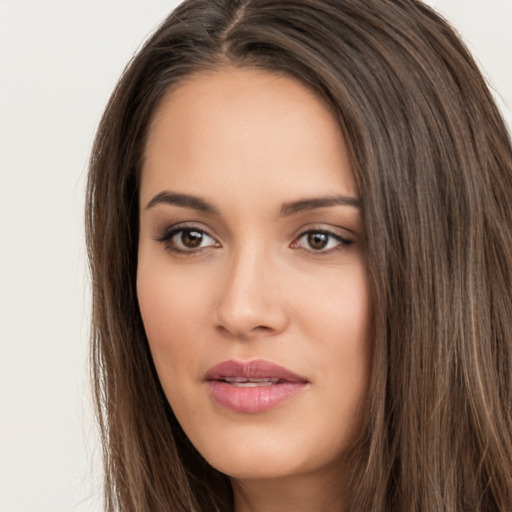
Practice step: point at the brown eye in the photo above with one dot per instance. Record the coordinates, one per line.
(183, 239)
(321, 241)
(317, 241)
(191, 239)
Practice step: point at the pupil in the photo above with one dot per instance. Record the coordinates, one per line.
(317, 240)
(191, 238)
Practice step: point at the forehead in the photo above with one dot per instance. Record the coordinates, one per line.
(245, 130)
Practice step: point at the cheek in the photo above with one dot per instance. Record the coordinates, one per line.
(170, 296)
(336, 311)
(173, 313)
(350, 309)
(337, 320)
(170, 309)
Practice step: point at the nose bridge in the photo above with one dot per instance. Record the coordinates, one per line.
(249, 301)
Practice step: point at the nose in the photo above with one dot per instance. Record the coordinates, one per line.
(251, 301)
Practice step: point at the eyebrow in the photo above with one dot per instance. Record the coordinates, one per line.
(185, 200)
(318, 202)
(287, 209)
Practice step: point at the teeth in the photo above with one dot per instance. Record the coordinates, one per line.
(249, 383)
(234, 379)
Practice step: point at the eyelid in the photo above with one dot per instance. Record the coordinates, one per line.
(344, 242)
(327, 226)
(331, 231)
(171, 231)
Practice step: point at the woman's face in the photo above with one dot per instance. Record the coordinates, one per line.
(251, 275)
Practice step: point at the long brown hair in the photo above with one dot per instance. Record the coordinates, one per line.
(433, 162)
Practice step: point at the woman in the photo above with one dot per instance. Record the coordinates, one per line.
(301, 250)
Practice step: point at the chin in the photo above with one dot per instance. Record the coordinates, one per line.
(262, 454)
(263, 467)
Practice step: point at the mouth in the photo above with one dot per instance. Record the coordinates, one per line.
(242, 382)
(252, 386)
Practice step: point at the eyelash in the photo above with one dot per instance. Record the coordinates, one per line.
(342, 243)
(167, 237)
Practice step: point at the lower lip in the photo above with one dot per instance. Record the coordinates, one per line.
(253, 399)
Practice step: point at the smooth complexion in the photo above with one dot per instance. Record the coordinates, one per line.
(251, 255)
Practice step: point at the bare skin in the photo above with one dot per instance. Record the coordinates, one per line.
(304, 494)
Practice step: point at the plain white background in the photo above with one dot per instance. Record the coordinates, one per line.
(59, 60)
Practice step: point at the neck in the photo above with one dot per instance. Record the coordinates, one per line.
(298, 493)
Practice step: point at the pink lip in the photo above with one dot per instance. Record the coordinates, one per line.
(262, 396)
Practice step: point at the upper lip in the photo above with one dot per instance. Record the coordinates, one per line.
(253, 369)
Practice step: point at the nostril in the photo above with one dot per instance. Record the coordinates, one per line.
(263, 328)
(244, 334)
